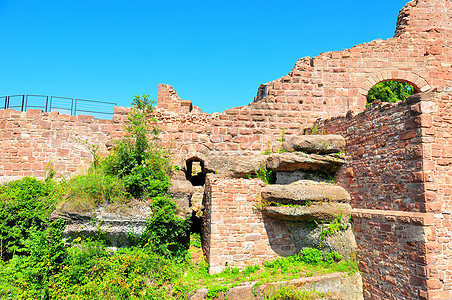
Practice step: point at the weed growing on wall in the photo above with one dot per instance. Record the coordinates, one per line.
(335, 226)
(265, 174)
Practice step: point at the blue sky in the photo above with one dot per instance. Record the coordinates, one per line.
(215, 53)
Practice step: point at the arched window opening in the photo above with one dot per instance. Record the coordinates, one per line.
(390, 91)
(195, 172)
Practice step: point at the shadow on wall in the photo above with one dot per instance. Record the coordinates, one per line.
(278, 236)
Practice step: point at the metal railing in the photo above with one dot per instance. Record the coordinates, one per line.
(63, 105)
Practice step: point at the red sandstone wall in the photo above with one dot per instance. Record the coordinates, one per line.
(239, 235)
(335, 82)
(385, 166)
(437, 152)
(31, 140)
(400, 180)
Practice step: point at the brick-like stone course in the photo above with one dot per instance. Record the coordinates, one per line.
(32, 141)
(398, 174)
(236, 233)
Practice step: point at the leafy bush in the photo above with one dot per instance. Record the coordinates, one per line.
(166, 233)
(311, 255)
(331, 257)
(195, 240)
(25, 206)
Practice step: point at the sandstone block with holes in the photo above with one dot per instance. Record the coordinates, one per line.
(236, 163)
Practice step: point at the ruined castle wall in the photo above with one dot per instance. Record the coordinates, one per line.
(239, 234)
(398, 174)
(33, 141)
(437, 152)
(333, 83)
(251, 127)
(384, 169)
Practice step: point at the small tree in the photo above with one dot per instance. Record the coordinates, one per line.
(138, 159)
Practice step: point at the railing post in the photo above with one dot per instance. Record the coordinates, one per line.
(74, 104)
(47, 102)
(23, 102)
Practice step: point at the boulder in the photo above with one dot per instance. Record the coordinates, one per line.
(318, 211)
(305, 190)
(237, 164)
(293, 161)
(315, 144)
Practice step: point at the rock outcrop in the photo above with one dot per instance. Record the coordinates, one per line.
(315, 144)
(300, 192)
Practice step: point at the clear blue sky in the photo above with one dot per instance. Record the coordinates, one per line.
(215, 53)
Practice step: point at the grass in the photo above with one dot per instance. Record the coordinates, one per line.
(281, 269)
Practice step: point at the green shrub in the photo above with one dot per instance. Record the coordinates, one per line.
(166, 233)
(195, 240)
(25, 206)
(138, 159)
(311, 255)
(331, 257)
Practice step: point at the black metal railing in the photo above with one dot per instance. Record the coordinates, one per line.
(63, 105)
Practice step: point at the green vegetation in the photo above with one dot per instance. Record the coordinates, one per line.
(290, 292)
(265, 174)
(138, 159)
(390, 91)
(335, 226)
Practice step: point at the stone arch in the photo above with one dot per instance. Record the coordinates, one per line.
(419, 84)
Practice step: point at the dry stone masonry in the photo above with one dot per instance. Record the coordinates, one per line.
(396, 169)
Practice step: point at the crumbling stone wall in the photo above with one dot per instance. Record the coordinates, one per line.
(400, 179)
(333, 83)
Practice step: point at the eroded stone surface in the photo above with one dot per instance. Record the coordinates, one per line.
(304, 190)
(291, 177)
(235, 163)
(317, 211)
(294, 161)
(115, 221)
(306, 235)
(315, 144)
